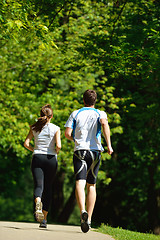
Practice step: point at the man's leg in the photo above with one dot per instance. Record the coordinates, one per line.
(91, 199)
(80, 194)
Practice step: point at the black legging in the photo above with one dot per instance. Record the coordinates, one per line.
(44, 169)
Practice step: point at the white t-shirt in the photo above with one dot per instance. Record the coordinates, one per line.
(86, 126)
(44, 141)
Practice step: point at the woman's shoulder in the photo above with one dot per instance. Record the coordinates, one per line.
(53, 126)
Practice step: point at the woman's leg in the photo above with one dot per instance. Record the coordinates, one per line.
(49, 175)
(45, 215)
(38, 177)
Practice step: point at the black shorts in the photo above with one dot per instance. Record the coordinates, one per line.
(86, 165)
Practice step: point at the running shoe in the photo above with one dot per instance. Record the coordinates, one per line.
(85, 226)
(38, 213)
(43, 224)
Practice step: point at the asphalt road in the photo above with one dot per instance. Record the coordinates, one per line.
(29, 231)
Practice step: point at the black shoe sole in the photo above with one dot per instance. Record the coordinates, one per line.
(42, 226)
(85, 227)
(84, 222)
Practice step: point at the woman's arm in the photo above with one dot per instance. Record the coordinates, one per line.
(58, 141)
(27, 141)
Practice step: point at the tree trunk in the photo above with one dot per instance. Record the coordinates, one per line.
(58, 197)
(152, 203)
(68, 208)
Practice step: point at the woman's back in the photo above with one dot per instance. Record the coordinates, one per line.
(45, 140)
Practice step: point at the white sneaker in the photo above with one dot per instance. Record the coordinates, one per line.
(38, 212)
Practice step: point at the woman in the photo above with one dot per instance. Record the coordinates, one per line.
(47, 143)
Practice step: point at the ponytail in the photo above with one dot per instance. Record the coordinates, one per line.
(46, 113)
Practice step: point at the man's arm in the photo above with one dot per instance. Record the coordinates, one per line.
(68, 133)
(106, 133)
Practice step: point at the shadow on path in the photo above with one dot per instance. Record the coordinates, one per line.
(28, 231)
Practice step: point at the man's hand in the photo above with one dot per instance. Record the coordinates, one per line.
(110, 150)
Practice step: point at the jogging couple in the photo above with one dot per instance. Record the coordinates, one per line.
(84, 128)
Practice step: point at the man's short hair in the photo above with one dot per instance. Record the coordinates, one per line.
(90, 97)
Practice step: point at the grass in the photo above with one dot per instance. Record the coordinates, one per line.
(121, 234)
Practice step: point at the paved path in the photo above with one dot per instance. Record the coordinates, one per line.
(31, 231)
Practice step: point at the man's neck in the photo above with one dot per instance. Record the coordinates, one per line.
(92, 106)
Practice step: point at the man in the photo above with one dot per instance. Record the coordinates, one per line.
(84, 128)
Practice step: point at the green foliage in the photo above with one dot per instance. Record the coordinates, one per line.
(121, 234)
